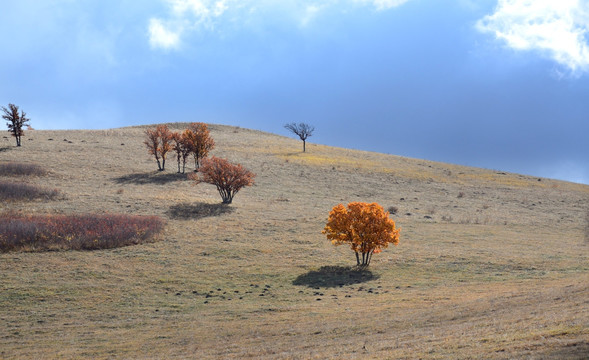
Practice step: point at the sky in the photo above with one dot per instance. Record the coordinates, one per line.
(498, 84)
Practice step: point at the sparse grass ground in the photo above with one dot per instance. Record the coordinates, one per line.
(499, 272)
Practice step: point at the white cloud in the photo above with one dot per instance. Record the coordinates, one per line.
(311, 11)
(192, 15)
(384, 4)
(162, 37)
(556, 28)
(219, 8)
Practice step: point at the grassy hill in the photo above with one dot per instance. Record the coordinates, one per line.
(490, 264)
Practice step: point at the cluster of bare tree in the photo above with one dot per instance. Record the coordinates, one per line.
(195, 140)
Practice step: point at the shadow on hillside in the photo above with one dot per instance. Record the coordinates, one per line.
(334, 276)
(192, 211)
(150, 178)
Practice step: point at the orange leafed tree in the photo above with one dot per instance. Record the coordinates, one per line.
(227, 177)
(366, 227)
(159, 143)
(199, 136)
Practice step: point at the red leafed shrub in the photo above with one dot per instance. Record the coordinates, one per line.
(19, 169)
(17, 191)
(75, 232)
(227, 177)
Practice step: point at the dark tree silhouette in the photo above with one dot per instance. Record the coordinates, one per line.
(302, 130)
(15, 122)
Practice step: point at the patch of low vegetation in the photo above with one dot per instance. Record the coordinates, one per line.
(75, 232)
(16, 191)
(188, 211)
(335, 276)
(20, 169)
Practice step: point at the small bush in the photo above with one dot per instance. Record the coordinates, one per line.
(19, 169)
(12, 192)
(393, 210)
(447, 218)
(460, 195)
(75, 232)
(227, 177)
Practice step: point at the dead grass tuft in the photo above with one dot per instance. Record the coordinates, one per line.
(187, 211)
(13, 192)
(74, 232)
(20, 169)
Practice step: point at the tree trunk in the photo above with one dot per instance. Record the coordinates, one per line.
(304, 146)
(196, 162)
(357, 259)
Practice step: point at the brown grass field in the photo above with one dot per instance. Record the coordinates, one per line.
(490, 265)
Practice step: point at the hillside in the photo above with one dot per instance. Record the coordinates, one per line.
(490, 264)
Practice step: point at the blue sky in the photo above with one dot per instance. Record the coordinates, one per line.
(500, 84)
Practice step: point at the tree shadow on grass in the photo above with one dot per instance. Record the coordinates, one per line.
(4, 148)
(334, 276)
(194, 211)
(150, 178)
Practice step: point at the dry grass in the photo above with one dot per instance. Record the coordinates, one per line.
(75, 232)
(260, 281)
(21, 169)
(10, 191)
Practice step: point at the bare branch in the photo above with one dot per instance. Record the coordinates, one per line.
(302, 130)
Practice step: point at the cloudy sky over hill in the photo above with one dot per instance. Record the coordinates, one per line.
(501, 84)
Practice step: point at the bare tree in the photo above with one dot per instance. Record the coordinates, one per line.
(15, 122)
(302, 130)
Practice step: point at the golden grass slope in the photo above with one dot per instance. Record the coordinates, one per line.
(490, 264)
